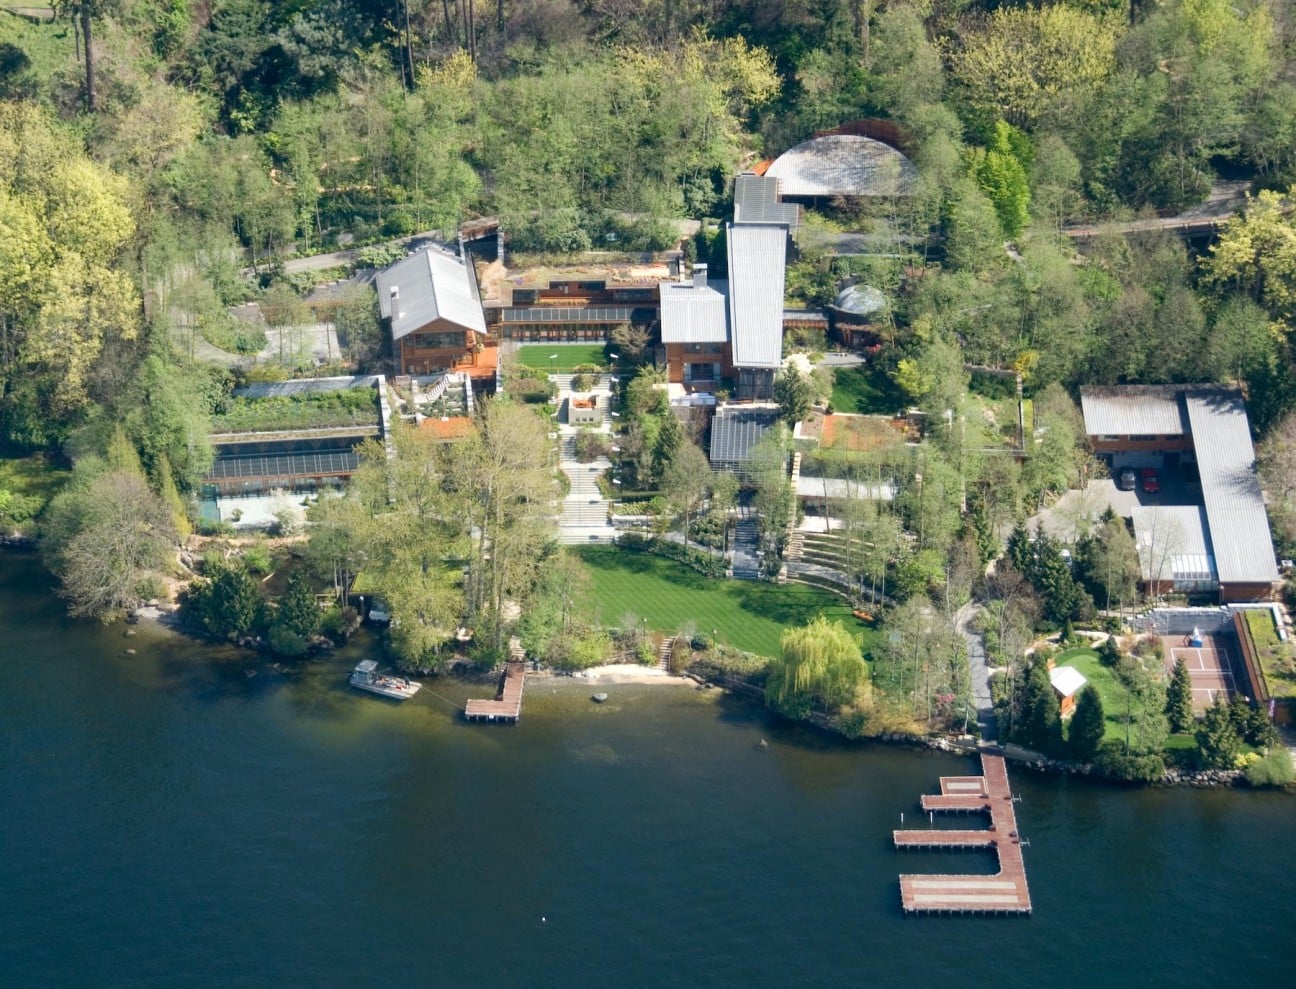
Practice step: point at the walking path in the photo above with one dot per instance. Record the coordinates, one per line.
(980, 670)
(584, 517)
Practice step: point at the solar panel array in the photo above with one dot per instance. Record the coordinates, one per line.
(568, 314)
(283, 465)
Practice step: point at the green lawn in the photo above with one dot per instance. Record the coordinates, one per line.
(32, 475)
(865, 388)
(570, 355)
(1111, 690)
(750, 615)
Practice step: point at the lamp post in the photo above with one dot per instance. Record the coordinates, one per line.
(552, 358)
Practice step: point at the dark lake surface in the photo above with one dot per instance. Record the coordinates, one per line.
(166, 820)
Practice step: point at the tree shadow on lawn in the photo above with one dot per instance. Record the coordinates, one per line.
(787, 607)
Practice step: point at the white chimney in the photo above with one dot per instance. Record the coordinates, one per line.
(395, 291)
(699, 276)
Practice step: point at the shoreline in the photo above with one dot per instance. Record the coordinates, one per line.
(619, 674)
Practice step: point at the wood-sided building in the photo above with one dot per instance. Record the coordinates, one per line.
(431, 305)
(574, 310)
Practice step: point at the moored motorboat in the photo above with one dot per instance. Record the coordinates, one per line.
(366, 677)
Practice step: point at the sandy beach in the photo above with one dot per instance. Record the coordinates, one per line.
(626, 673)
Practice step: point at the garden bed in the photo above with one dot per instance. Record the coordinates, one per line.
(308, 410)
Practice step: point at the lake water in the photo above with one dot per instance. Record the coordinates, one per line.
(168, 820)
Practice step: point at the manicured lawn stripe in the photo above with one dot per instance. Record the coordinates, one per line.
(750, 615)
(536, 355)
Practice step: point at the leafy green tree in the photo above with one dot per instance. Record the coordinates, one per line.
(225, 601)
(109, 539)
(1254, 254)
(297, 610)
(1040, 724)
(1108, 562)
(1217, 738)
(819, 666)
(686, 480)
(794, 395)
(1029, 64)
(1088, 724)
(1179, 709)
(1001, 170)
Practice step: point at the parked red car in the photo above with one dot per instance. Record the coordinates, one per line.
(1150, 483)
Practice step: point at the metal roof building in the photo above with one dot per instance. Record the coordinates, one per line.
(757, 270)
(756, 200)
(427, 286)
(1226, 540)
(694, 311)
(843, 165)
(1174, 546)
(1134, 410)
(1235, 508)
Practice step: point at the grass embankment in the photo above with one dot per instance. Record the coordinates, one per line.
(310, 410)
(865, 388)
(570, 356)
(1275, 656)
(749, 615)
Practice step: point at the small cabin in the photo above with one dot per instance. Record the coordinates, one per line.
(1067, 683)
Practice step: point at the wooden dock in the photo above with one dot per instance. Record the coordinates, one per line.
(1004, 892)
(507, 705)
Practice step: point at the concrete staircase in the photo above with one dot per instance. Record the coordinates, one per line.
(583, 520)
(746, 564)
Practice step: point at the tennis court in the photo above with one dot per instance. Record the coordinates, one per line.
(1210, 665)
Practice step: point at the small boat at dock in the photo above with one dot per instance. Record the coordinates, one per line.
(366, 677)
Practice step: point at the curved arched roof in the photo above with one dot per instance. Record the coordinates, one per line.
(843, 165)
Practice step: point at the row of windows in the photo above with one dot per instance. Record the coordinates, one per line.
(437, 341)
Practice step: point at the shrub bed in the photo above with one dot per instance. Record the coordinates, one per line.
(311, 410)
(703, 563)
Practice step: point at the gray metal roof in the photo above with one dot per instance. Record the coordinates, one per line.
(757, 269)
(843, 165)
(736, 429)
(1173, 543)
(1134, 410)
(756, 200)
(430, 285)
(694, 314)
(1239, 527)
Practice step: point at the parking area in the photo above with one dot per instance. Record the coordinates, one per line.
(1078, 510)
(1210, 665)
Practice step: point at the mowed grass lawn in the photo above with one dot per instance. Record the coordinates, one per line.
(748, 614)
(570, 355)
(1111, 690)
(865, 388)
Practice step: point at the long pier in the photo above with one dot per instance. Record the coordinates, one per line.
(507, 705)
(1004, 892)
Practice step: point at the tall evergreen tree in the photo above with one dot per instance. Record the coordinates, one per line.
(1087, 724)
(1041, 718)
(1217, 739)
(793, 393)
(1179, 711)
